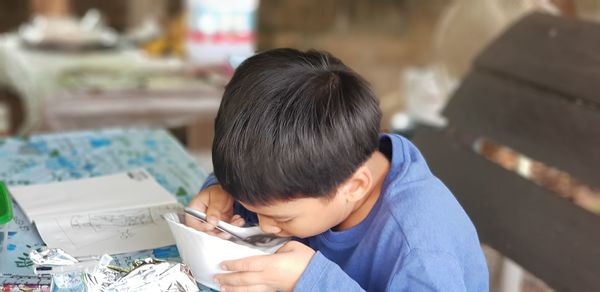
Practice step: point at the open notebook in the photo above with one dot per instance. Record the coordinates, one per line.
(109, 214)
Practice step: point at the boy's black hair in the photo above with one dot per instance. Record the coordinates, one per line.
(293, 124)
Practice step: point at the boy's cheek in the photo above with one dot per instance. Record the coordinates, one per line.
(302, 231)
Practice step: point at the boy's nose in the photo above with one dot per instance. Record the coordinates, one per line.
(268, 225)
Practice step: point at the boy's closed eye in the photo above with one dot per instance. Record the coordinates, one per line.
(283, 221)
(279, 219)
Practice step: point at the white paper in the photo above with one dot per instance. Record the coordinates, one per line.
(127, 190)
(110, 214)
(204, 253)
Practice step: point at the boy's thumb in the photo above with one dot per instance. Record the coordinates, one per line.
(213, 216)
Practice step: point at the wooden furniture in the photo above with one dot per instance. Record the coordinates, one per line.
(536, 89)
(14, 115)
(60, 92)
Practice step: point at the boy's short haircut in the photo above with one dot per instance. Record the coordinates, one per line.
(291, 125)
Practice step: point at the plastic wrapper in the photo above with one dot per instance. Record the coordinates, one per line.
(153, 275)
(145, 274)
(102, 276)
(67, 282)
(51, 256)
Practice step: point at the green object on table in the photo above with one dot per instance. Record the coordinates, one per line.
(6, 212)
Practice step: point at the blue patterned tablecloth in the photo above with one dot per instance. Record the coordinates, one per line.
(67, 156)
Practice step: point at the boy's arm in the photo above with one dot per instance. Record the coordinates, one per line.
(321, 274)
(428, 271)
(419, 271)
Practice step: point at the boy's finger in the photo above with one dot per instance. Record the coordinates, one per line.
(249, 264)
(213, 218)
(240, 279)
(222, 235)
(193, 222)
(218, 234)
(247, 288)
(237, 220)
(200, 203)
(213, 214)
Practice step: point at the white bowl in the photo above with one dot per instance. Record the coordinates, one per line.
(204, 253)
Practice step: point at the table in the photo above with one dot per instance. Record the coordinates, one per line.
(72, 91)
(67, 156)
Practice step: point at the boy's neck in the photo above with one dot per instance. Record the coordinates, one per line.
(379, 166)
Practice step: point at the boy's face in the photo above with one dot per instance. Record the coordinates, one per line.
(302, 217)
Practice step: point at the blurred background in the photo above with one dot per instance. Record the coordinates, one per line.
(89, 64)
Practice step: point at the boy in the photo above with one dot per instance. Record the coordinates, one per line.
(297, 150)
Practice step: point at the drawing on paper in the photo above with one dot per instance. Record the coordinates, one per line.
(112, 221)
(124, 222)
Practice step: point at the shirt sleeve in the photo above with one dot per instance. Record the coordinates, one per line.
(428, 271)
(210, 181)
(321, 274)
(419, 271)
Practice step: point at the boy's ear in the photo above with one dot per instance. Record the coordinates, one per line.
(358, 185)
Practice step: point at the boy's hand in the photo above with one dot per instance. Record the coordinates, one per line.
(276, 272)
(218, 205)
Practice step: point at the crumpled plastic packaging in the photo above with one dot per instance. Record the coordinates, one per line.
(51, 256)
(102, 275)
(145, 274)
(67, 282)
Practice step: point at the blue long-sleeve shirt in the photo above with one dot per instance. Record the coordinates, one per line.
(416, 237)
